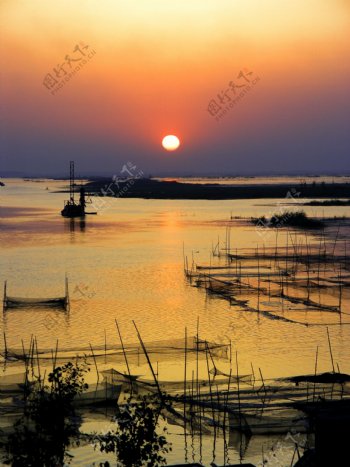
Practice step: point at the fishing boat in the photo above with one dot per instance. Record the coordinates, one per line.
(71, 208)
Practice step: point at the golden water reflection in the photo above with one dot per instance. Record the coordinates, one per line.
(126, 263)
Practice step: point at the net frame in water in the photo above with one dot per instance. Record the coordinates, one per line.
(25, 302)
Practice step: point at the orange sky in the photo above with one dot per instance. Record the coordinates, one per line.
(156, 67)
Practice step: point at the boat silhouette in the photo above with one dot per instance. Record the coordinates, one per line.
(71, 208)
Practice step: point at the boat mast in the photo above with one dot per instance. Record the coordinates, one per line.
(71, 182)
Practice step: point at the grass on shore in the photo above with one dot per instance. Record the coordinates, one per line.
(329, 202)
(289, 219)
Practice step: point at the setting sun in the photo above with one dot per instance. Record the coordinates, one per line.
(170, 142)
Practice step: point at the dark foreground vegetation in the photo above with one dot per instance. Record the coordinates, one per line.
(50, 426)
(49, 422)
(134, 440)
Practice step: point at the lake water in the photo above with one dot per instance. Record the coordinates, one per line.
(126, 263)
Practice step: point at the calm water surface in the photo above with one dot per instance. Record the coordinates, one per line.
(126, 263)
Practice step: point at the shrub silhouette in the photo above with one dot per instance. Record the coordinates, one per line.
(42, 435)
(135, 440)
(288, 218)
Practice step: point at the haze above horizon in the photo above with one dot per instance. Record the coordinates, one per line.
(250, 88)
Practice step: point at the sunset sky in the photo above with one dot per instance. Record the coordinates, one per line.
(151, 69)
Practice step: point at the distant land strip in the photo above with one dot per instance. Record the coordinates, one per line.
(155, 189)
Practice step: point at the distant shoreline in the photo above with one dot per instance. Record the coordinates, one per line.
(154, 189)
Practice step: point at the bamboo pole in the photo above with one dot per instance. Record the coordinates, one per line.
(313, 397)
(5, 346)
(212, 361)
(200, 426)
(37, 359)
(149, 363)
(67, 300)
(238, 394)
(197, 358)
(93, 356)
(210, 390)
(259, 276)
(287, 251)
(4, 303)
(55, 358)
(192, 387)
(276, 241)
(226, 400)
(236, 264)
(105, 336)
(319, 265)
(335, 241)
(125, 357)
(253, 374)
(185, 388)
(307, 267)
(330, 349)
(24, 353)
(26, 363)
(183, 255)
(263, 385)
(340, 289)
(31, 354)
